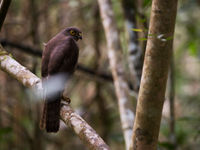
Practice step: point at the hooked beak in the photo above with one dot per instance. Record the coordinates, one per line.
(80, 37)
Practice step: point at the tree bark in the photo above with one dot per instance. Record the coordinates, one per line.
(154, 77)
(117, 69)
(85, 132)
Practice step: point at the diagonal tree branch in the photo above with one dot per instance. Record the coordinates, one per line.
(117, 69)
(3, 10)
(70, 118)
(82, 129)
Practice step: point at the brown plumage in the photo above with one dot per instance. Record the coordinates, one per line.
(59, 59)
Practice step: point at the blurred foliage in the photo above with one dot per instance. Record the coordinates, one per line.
(20, 111)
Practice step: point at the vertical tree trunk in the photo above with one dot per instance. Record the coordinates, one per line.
(117, 69)
(3, 10)
(154, 77)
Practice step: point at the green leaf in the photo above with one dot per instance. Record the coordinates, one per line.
(5, 130)
(169, 38)
(193, 48)
(152, 35)
(146, 3)
(166, 145)
(137, 30)
(140, 19)
(142, 39)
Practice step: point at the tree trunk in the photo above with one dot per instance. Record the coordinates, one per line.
(117, 69)
(3, 10)
(154, 77)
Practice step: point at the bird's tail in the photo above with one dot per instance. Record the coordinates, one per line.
(43, 118)
(51, 113)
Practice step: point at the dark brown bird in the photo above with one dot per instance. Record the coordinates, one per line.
(59, 61)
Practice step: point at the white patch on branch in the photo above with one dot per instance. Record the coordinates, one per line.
(76, 124)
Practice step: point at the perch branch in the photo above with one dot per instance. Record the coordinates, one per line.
(28, 79)
(82, 129)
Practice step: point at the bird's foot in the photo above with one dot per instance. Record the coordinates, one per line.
(66, 99)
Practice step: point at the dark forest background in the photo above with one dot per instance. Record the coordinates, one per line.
(31, 23)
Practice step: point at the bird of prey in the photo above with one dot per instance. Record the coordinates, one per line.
(59, 59)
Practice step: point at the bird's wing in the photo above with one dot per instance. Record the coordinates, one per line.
(54, 86)
(58, 55)
(45, 61)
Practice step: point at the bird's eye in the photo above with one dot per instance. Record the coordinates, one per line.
(72, 32)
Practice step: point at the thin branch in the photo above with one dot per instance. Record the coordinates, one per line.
(97, 74)
(118, 72)
(171, 103)
(28, 79)
(22, 47)
(135, 60)
(38, 53)
(3, 10)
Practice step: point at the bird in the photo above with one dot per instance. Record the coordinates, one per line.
(59, 58)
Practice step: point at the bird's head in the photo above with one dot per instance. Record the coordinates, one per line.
(74, 32)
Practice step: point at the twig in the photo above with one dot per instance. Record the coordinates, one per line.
(22, 47)
(135, 60)
(171, 103)
(28, 79)
(3, 10)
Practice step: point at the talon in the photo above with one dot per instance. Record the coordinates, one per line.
(66, 99)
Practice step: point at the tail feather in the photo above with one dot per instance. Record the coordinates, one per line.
(53, 88)
(53, 115)
(43, 118)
